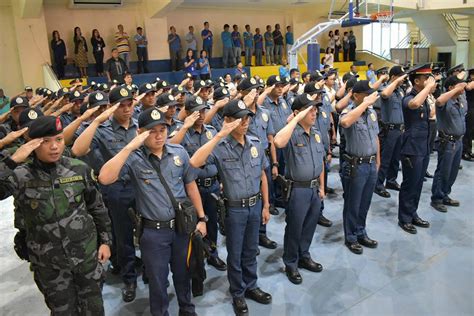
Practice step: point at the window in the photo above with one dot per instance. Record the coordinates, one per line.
(379, 40)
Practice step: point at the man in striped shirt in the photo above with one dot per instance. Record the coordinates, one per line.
(122, 44)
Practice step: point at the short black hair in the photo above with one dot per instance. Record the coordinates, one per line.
(370, 64)
(139, 28)
(293, 70)
(246, 25)
(206, 23)
(288, 27)
(226, 25)
(127, 73)
(234, 26)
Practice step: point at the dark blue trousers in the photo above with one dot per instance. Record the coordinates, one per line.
(278, 199)
(242, 225)
(302, 216)
(449, 158)
(160, 249)
(327, 166)
(120, 197)
(358, 191)
(390, 145)
(413, 169)
(210, 208)
(271, 196)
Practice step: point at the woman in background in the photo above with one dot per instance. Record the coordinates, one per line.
(80, 51)
(337, 45)
(59, 54)
(190, 64)
(98, 45)
(205, 73)
(329, 57)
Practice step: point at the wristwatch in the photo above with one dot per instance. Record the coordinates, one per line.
(204, 219)
(275, 164)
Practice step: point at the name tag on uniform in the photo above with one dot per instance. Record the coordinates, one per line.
(230, 159)
(70, 179)
(300, 145)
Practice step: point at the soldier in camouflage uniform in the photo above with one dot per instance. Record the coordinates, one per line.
(66, 223)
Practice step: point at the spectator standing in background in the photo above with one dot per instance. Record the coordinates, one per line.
(331, 41)
(269, 46)
(80, 51)
(205, 67)
(115, 67)
(284, 70)
(352, 46)
(122, 44)
(227, 54)
(175, 49)
(289, 38)
(237, 44)
(98, 45)
(371, 73)
(258, 39)
(59, 54)
(329, 58)
(278, 41)
(142, 50)
(337, 45)
(248, 44)
(191, 41)
(190, 65)
(207, 39)
(345, 46)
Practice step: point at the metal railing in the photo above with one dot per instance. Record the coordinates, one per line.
(385, 57)
(414, 37)
(462, 32)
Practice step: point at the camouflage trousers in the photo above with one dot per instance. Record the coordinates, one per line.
(74, 291)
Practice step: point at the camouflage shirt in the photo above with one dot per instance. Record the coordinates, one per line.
(62, 210)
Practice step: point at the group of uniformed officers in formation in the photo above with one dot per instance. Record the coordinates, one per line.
(95, 171)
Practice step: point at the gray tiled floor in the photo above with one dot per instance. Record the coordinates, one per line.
(431, 273)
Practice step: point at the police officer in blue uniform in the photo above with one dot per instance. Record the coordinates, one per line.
(161, 246)
(391, 125)
(109, 136)
(76, 98)
(241, 163)
(168, 102)
(147, 101)
(414, 153)
(361, 161)
(17, 105)
(214, 115)
(192, 138)
(304, 153)
(450, 114)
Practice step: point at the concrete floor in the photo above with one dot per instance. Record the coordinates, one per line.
(431, 273)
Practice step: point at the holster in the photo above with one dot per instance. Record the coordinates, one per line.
(221, 212)
(285, 186)
(20, 245)
(137, 225)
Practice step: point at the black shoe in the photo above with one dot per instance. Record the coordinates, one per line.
(259, 296)
(294, 276)
(258, 251)
(217, 263)
(428, 175)
(382, 192)
(440, 207)
(274, 210)
(266, 242)
(367, 242)
(330, 190)
(408, 227)
(392, 186)
(354, 247)
(240, 306)
(129, 292)
(323, 221)
(460, 167)
(145, 279)
(420, 223)
(310, 264)
(184, 313)
(450, 202)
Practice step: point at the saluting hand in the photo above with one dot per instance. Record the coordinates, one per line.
(189, 121)
(221, 103)
(228, 127)
(461, 86)
(372, 98)
(104, 116)
(250, 97)
(430, 82)
(137, 142)
(22, 153)
(269, 89)
(401, 78)
(139, 97)
(301, 115)
(87, 114)
(10, 137)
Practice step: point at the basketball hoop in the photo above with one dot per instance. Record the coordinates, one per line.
(384, 17)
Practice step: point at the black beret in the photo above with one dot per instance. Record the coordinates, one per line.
(27, 116)
(45, 126)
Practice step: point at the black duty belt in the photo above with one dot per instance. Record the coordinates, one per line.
(391, 126)
(359, 160)
(206, 182)
(147, 223)
(451, 138)
(305, 184)
(248, 202)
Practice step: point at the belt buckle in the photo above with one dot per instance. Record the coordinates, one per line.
(253, 200)
(172, 223)
(372, 158)
(313, 183)
(207, 182)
